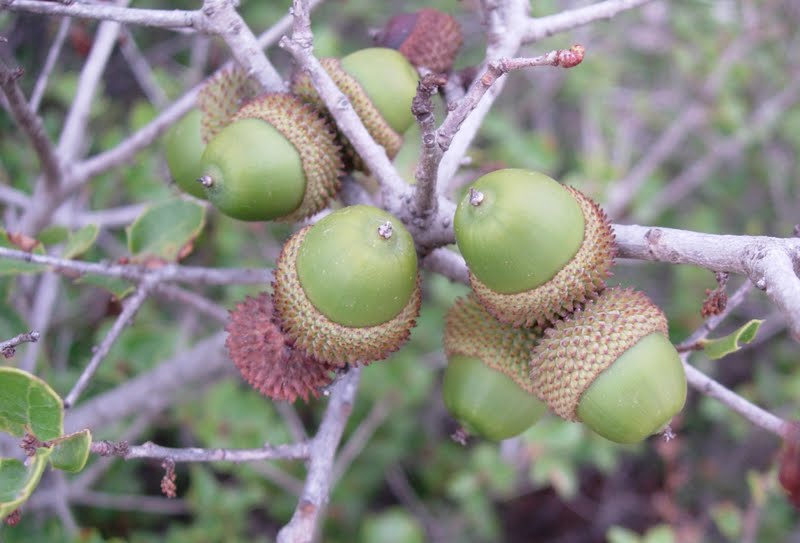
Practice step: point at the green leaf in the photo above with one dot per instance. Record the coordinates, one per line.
(17, 480)
(81, 241)
(28, 404)
(53, 235)
(164, 229)
(16, 267)
(118, 287)
(717, 348)
(71, 452)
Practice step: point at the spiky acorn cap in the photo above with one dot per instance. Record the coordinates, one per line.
(534, 247)
(380, 83)
(346, 289)
(266, 359)
(277, 159)
(428, 38)
(221, 97)
(487, 383)
(611, 366)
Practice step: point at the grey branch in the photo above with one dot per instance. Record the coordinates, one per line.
(174, 19)
(711, 388)
(316, 491)
(8, 347)
(222, 19)
(301, 48)
(49, 63)
(31, 124)
(542, 27)
(132, 306)
(170, 272)
(154, 390)
(149, 450)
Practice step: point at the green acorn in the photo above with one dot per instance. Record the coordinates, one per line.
(534, 247)
(487, 381)
(346, 289)
(277, 159)
(183, 148)
(611, 366)
(380, 83)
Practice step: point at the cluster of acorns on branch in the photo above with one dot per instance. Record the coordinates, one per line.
(540, 327)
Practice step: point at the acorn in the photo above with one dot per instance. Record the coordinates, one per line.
(266, 358)
(611, 366)
(380, 84)
(346, 289)
(222, 96)
(487, 383)
(277, 159)
(534, 247)
(428, 38)
(183, 148)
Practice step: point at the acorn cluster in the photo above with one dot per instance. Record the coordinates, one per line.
(346, 290)
(538, 254)
(540, 330)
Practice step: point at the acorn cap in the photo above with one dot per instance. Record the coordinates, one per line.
(487, 381)
(266, 359)
(611, 366)
(534, 248)
(347, 289)
(221, 97)
(380, 83)
(428, 38)
(183, 148)
(277, 159)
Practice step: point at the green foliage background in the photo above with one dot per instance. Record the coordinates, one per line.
(558, 482)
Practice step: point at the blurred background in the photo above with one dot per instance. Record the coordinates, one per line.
(683, 114)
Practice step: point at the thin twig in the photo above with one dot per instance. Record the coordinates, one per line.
(316, 492)
(156, 389)
(222, 19)
(132, 306)
(360, 438)
(140, 67)
(300, 46)
(8, 347)
(193, 300)
(157, 505)
(49, 64)
(149, 450)
(711, 323)
(31, 124)
(162, 18)
(136, 273)
(542, 27)
(711, 388)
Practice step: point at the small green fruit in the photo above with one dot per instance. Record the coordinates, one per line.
(534, 248)
(346, 290)
(277, 159)
(183, 148)
(380, 83)
(487, 381)
(611, 366)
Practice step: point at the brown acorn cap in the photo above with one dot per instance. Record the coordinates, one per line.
(380, 130)
(577, 349)
(323, 338)
(580, 280)
(314, 140)
(221, 97)
(427, 38)
(265, 357)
